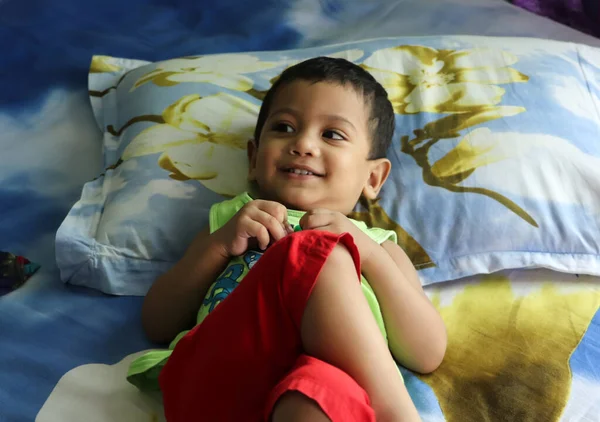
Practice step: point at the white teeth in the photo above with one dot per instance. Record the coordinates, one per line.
(301, 172)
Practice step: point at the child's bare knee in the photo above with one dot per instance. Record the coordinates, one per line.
(341, 257)
(296, 407)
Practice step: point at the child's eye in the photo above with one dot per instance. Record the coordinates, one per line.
(331, 134)
(283, 127)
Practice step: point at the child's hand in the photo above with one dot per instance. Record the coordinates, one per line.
(262, 221)
(337, 223)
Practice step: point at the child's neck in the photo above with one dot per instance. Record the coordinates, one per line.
(255, 193)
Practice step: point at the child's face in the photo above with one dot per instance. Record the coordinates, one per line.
(314, 148)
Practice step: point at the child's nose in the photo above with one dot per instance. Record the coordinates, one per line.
(304, 144)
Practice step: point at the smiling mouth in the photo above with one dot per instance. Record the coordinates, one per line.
(301, 172)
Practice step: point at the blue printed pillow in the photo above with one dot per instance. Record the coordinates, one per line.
(496, 156)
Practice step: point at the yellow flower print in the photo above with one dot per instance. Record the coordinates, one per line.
(478, 148)
(203, 138)
(101, 64)
(423, 79)
(508, 353)
(225, 70)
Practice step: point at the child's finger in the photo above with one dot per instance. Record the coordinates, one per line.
(260, 233)
(277, 210)
(289, 229)
(263, 238)
(273, 226)
(310, 221)
(252, 229)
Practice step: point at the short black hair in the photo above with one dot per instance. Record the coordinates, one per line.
(340, 71)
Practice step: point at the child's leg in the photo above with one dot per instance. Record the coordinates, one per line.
(338, 327)
(313, 385)
(296, 407)
(225, 368)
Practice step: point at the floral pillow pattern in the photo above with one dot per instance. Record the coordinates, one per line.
(495, 157)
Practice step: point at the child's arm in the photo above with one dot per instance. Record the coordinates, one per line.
(416, 332)
(173, 300)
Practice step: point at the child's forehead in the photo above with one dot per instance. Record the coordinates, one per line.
(335, 97)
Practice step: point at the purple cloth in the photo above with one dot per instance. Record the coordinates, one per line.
(583, 15)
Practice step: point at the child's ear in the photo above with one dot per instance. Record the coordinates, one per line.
(379, 172)
(252, 153)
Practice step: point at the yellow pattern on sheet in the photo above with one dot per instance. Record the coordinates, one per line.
(508, 355)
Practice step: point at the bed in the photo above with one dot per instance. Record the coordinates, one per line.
(524, 341)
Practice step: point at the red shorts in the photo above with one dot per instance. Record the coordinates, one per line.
(247, 353)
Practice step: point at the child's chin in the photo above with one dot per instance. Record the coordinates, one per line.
(298, 199)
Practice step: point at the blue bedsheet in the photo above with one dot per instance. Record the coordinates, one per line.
(50, 146)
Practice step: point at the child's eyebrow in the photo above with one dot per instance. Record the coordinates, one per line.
(294, 112)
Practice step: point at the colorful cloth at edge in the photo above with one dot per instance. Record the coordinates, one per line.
(14, 271)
